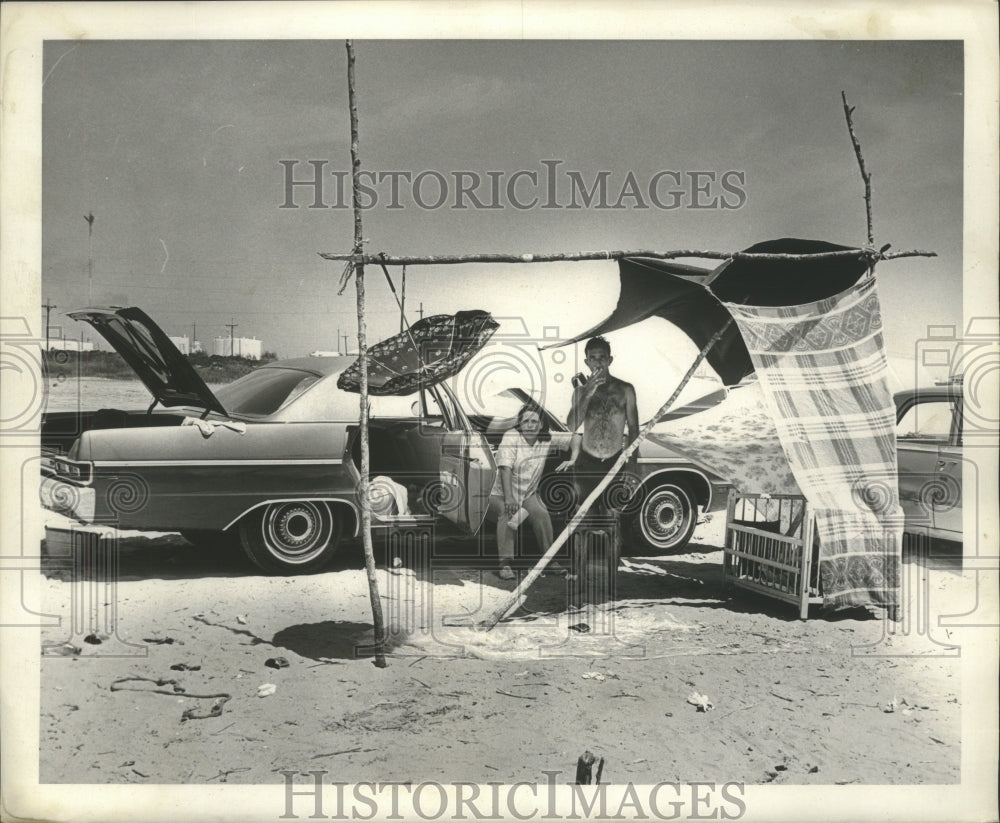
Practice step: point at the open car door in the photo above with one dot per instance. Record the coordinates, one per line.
(467, 468)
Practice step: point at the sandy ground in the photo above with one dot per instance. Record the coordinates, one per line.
(791, 702)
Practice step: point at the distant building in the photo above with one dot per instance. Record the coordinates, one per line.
(70, 345)
(182, 343)
(248, 347)
(319, 353)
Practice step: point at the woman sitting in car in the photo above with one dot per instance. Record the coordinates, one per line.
(520, 460)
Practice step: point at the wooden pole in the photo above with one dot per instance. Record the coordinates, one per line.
(865, 175)
(359, 284)
(402, 303)
(517, 596)
(575, 257)
(585, 772)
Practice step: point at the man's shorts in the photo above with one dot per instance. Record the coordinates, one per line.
(588, 472)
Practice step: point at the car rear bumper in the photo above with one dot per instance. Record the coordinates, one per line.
(70, 499)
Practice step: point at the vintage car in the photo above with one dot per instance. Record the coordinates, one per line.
(662, 514)
(929, 450)
(270, 459)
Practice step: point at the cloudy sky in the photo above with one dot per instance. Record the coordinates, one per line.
(176, 149)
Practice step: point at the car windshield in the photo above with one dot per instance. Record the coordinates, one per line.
(264, 391)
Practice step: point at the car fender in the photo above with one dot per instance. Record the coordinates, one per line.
(699, 481)
(335, 502)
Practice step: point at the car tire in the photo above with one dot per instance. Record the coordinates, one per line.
(291, 538)
(666, 518)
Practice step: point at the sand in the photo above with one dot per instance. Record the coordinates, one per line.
(792, 702)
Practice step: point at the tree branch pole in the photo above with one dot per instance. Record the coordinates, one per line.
(359, 283)
(574, 257)
(517, 596)
(848, 110)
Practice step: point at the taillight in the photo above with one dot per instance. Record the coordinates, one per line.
(80, 472)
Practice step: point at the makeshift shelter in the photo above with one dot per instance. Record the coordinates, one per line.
(782, 274)
(821, 420)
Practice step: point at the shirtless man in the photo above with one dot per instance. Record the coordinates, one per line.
(606, 408)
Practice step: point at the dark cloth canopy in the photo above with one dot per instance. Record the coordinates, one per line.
(691, 297)
(433, 349)
(786, 282)
(675, 292)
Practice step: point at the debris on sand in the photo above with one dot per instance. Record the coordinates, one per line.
(62, 650)
(266, 689)
(700, 701)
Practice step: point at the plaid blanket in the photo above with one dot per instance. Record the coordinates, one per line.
(823, 370)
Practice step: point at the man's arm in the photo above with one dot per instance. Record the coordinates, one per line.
(575, 413)
(631, 414)
(578, 408)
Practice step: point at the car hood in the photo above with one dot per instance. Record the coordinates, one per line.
(167, 373)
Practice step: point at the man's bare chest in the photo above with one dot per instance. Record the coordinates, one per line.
(606, 402)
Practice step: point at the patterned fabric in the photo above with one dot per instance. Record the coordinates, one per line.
(822, 367)
(431, 350)
(737, 440)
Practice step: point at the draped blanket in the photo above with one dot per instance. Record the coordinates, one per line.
(822, 367)
(736, 440)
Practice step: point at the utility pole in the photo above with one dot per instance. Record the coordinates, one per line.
(194, 336)
(48, 309)
(421, 309)
(231, 325)
(346, 351)
(402, 304)
(90, 258)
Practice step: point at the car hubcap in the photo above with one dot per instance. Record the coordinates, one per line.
(664, 517)
(296, 532)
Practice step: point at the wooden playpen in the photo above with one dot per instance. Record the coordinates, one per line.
(770, 548)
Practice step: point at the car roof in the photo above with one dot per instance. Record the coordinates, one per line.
(320, 366)
(951, 391)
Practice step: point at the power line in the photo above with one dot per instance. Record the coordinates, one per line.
(90, 258)
(48, 310)
(231, 326)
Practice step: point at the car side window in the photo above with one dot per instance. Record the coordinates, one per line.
(927, 422)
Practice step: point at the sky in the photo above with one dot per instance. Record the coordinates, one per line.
(175, 147)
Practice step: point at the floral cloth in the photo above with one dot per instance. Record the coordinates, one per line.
(736, 440)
